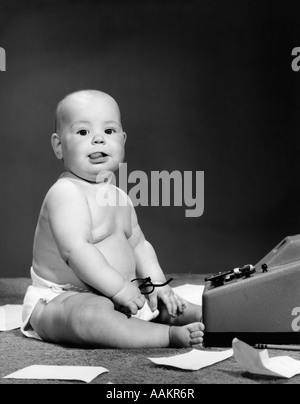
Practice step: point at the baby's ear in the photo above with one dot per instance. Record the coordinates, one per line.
(125, 137)
(56, 144)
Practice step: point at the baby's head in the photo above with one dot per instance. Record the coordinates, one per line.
(88, 134)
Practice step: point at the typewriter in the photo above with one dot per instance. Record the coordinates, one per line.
(257, 304)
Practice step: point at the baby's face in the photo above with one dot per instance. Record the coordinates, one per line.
(91, 134)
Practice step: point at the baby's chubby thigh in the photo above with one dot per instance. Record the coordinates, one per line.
(69, 317)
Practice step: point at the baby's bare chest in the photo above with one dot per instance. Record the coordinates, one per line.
(108, 215)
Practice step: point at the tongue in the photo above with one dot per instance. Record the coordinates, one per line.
(96, 155)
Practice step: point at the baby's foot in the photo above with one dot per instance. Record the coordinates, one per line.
(187, 335)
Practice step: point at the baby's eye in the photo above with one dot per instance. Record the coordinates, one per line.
(83, 132)
(110, 131)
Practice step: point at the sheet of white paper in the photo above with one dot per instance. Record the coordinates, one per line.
(258, 362)
(10, 317)
(191, 293)
(193, 360)
(82, 373)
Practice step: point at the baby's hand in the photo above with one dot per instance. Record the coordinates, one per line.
(173, 302)
(130, 297)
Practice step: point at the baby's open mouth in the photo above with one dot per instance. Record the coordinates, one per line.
(97, 155)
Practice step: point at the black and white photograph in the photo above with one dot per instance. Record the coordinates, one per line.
(150, 194)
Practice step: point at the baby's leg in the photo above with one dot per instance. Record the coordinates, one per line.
(88, 320)
(192, 313)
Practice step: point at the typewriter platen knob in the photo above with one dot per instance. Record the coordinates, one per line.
(248, 270)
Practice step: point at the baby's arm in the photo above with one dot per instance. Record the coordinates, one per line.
(147, 265)
(71, 225)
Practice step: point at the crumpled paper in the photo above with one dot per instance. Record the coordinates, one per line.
(193, 360)
(10, 317)
(258, 361)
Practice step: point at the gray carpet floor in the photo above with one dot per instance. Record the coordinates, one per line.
(125, 366)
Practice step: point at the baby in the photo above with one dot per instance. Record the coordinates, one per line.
(89, 247)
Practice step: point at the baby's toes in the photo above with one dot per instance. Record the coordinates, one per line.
(196, 337)
(195, 327)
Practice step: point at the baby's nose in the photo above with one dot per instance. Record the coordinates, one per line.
(99, 138)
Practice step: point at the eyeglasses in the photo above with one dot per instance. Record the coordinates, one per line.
(147, 286)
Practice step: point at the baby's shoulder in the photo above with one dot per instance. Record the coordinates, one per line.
(64, 190)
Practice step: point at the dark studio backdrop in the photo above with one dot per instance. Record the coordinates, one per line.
(202, 86)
